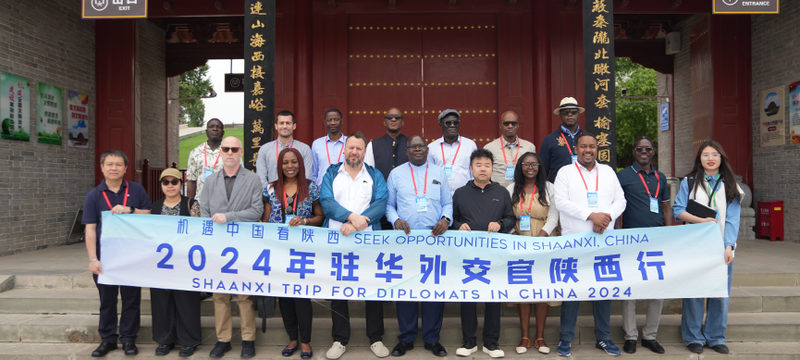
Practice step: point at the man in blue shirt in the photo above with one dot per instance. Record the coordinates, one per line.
(558, 148)
(419, 198)
(328, 149)
(120, 197)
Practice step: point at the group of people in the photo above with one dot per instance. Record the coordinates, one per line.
(399, 182)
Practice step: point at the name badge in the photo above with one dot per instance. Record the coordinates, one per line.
(509, 173)
(207, 173)
(654, 205)
(591, 198)
(422, 204)
(448, 170)
(525, 223)
(574, 158)
(288, 218)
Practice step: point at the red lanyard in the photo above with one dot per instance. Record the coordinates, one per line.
(290, 146)
(205, 158)
(124, 201)
(329, 154)
(294, 207)
(565, 142)
(530, 204)
(414, 180)
(444, 161)
(519, 149)
(647, 188)
(597, 181)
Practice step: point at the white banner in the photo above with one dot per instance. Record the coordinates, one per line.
(197, 254)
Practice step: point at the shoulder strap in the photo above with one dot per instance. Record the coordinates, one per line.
(690, 182)
(185, 206)
(156, 207)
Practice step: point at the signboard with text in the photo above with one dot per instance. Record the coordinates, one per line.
(598, 42)
(746, 6)
(114, 9)
(259, 79)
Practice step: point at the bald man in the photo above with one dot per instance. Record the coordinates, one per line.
(232, 195)
(507, 149)
(388, 151)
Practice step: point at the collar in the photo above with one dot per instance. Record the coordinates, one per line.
(441, 140)
(360, 172)
(415, 167)
(341, 138)
(638, 170)
(503, 141)
(280, 143)
(208, 147)
(234, 175)
(104, 187)
(596, 164)
(712, 177)
(487, 187)
(565, 130)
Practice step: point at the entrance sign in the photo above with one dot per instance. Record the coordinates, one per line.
(598, 56)
(114, 9)
(259, 79)
(197, 254)
(746, 6)
(771, 108)
(51, 114)
(15, 107)
(663, 116)
(78, 117)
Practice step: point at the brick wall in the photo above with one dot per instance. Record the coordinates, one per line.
(153, 82)
(42, 186)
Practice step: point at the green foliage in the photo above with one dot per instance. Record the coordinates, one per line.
(195, 83)
(634, 120)
(188, 144)
(18, 135)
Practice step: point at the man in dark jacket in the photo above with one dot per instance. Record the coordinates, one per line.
(388, 151)
(481, 205)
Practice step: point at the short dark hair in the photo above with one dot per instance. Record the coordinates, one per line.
(415, 136)
(585, 133)
(481, 153)
(358, 135)
(334, 110)
(285, 113)
(117, 153)
(644, 137)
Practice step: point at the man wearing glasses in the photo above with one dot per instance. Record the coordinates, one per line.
(558, 148)
(232, 195)
(647, 197)
(389, 151)
(328, 149)
(451, 151)
(507, 149)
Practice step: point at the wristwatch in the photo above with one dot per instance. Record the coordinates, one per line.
(133, 209)
(446, 219)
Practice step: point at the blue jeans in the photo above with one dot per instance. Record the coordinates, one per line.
(569, 318)
(713, 333)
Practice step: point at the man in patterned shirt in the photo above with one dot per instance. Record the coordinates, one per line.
(204, 159)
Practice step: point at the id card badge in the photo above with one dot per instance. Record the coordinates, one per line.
(448, 170)
(525, 223)
(422, 204)
(654, 205)
(207, 173)
(574, 158)
(288, 218)
(591, 198)
(509, 173)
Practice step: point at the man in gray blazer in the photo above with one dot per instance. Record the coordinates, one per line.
(233, 194)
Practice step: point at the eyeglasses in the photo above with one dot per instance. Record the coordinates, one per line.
(391, 117)
(449, 123)
(416, 147)
(643, 149)
(510, 123)
(230, 149)
(530, 165)
(166, 182)
(569, 112)
(710, 156)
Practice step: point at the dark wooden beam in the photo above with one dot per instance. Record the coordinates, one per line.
(193, 8)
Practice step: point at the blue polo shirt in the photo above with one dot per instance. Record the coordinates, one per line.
(96, 203)
(555, 153)
(637, 211)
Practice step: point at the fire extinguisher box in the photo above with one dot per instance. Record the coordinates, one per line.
(770, 220)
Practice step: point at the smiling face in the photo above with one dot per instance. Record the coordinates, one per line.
(290, 165)
(391, 122)
(587, 150)
(529, 170)
(113, 167)
(417, 151)
(641, 154)
(171, 190)
(450, 131)
(333, 122)
(711, 159)
(481, 169)
(354, 149)
(284, 126)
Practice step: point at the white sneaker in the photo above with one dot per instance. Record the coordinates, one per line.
(494, 352)
(336, 351)
(379, 349)
(462, 351)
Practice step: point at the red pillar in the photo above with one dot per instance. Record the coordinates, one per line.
(542, 116)
(303, 87)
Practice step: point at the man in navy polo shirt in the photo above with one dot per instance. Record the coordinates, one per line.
(558, 148)
(647, 196)
(120, 197)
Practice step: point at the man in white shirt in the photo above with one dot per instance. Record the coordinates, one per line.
(267, 162)
(452, 151)
(589, 198)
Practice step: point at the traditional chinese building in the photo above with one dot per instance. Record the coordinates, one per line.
(482, 57)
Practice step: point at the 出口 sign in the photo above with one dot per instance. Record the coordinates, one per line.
(114, 9)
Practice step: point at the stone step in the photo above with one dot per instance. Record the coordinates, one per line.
(774, 327)
(676, 351)
(86, 301)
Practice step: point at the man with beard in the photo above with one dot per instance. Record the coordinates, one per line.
(267, 163)
(387, 152)
(328, 149)
(353, 197)
(558, 148)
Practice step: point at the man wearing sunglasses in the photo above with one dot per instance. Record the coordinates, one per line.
(558, 148)
(452, 151)
(507, 148)
(267, 163)
(232, 195)
(387, 152)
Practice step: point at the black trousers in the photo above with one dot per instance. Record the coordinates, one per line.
(176, 317)
(297, 315)
(130, 317)
(407, 319)
(340, 315)
(491, 322)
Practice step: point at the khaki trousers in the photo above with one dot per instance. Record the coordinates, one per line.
(224, 322)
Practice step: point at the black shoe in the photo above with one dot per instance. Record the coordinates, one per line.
(436, 348)
(104, 348)
(721, 348)
(401, 348)
(248, 349)
(653, 345)
(187, 351)
(130, 348)
(695, 348)
(163, 349)
(220, 349)
(630, 346)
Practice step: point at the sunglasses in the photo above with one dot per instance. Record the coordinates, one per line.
(230, 149)
(416, 147)
(570, 112)
(510, 123)
(530, 165)
(391, 117)
(449, 123)
(166, 182)
(643, 149)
